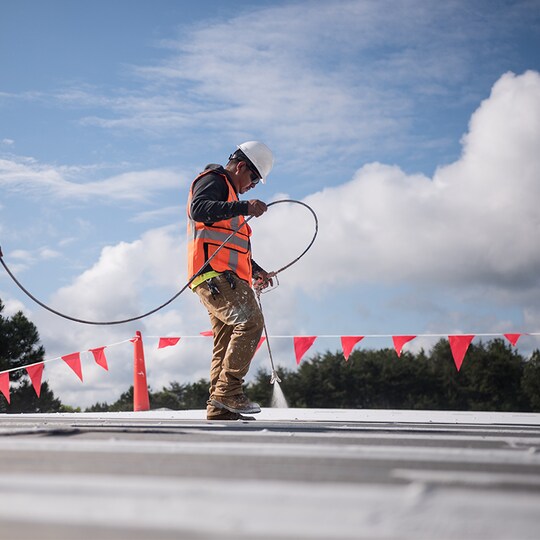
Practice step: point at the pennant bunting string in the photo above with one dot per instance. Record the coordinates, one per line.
(459, 345)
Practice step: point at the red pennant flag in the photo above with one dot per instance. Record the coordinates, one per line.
(73, 360)
(4, 385)
(459, 346)
(512, 338)
(261, 341)
(35, 373)
(167, 342)
(207, 333)
(399, 341)
(99, 357)
(301, 346)
(348, 343)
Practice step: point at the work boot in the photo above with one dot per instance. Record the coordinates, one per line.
(228, 415)
(236, 404)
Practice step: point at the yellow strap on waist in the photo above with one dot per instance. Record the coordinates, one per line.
(202, 278)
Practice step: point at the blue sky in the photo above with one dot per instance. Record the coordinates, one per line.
(412, 128)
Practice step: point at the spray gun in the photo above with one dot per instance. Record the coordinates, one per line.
(264, 285)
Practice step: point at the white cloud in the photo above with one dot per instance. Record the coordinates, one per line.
(156, 215)
(46, 253)
(12, 306)
(8, 142)
(111, 288)
(22, 254)
(43, 253)
(26, 175)
(474, 223)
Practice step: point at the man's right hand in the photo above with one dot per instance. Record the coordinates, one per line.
(256, 208)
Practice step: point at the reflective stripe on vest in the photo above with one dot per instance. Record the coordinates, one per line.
(204, 240)
(220, 237)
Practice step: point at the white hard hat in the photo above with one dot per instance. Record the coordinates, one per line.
(260, 156)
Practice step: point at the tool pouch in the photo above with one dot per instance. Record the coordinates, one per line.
(231, 279)
(212, 287)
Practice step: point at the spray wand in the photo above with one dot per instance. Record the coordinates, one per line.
(274, 378)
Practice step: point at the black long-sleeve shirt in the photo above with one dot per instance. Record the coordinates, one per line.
(209, 200)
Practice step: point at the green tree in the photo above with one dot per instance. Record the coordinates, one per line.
(530, 383)
(178, 396)
(167, 398)
(494, 372)
(196, 394)
(175, 396)
(19, 346)
(124, 402)
(25, 400)
(448, 384)
(493, 376)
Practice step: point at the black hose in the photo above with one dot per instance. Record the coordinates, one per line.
(138, 317)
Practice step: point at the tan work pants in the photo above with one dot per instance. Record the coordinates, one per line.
(237, 324)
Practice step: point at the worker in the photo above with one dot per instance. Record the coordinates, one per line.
(224, 286)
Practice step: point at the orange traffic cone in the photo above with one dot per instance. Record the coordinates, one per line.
(141, 401)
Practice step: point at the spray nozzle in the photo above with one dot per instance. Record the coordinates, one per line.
(274, 378)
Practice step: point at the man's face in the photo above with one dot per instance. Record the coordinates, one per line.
(248, 178)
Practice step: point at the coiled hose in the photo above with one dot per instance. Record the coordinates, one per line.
(173, 298)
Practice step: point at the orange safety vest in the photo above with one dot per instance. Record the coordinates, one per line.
(204, 240)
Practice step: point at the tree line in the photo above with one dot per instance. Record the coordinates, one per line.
(493, 377)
